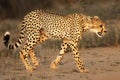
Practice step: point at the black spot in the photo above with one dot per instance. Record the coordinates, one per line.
(22, 28)
(65, 43)
(6, 40)
(24, 56)
(101, 25)
(16, 45)
(78, 63)
(11, 47)
(64, 48)
(82, 68)
(42, 40)
(19, 41)
(33, 41)
(21, 33)
(23, 22)
(73, 49)
(77, 53)
(21, 37)
(30, 47)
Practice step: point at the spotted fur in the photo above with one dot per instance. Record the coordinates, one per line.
(38, 26)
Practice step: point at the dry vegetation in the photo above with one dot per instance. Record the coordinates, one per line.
(106, 9)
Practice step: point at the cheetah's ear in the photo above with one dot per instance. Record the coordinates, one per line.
(96, 17)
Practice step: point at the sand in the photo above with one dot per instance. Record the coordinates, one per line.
(103, 64)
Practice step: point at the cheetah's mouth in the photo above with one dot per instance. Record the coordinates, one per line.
(99, 34)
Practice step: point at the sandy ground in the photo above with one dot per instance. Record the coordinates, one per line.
(103, 64)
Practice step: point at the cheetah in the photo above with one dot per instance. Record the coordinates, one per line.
(37, 26)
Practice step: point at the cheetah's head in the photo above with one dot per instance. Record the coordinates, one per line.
(98, 26)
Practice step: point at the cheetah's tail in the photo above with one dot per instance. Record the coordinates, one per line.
(6, 39)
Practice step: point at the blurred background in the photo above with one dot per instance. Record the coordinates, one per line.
(13, 11)
(106, 9)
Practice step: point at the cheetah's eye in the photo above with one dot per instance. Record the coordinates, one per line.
(101, 25)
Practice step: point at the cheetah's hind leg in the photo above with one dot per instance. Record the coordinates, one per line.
(33, 58)
(28, 50)
(25, 60)
(41, 39)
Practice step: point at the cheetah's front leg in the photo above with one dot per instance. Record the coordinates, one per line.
(78, 60)
(59, 58)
